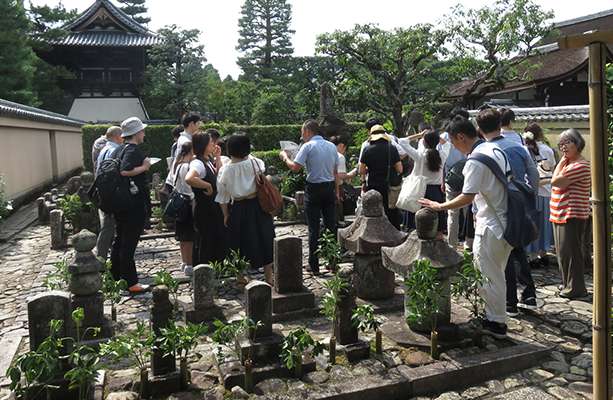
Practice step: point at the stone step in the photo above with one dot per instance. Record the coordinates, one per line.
(9, 345)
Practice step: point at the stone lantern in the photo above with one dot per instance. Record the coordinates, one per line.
(422, 244)
(365, 237)
(86, 282)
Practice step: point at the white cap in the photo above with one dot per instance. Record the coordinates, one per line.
(132, 126)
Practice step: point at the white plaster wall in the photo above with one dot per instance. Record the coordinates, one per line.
(69, 149)
(106, 109)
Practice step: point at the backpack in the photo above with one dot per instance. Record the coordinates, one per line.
(454, 177)
(522, 215)
(110, 191)
(269, 197)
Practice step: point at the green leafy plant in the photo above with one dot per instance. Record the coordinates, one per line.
(33, 372)
(73, 207)
(364, 319)
(329, 249)
(291, 182)
(164, 277)
(134, 345)
(422, 300)
(5, 206)
(180, 340)
(329, 306)
(468, 284)
(295, 344)
(234, 265)
(228, 335)
(59, 278)
(85, 363)
(111, 289)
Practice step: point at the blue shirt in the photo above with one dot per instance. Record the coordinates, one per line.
(454, 156)
(106, 152)
(522, 165)
(319, 158)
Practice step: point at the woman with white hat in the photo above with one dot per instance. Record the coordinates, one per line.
(131, 222)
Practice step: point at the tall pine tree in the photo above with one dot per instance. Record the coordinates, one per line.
(265, 43)
(134, 8)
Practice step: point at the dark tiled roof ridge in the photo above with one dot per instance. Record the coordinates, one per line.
(578, 112)
(12, 109)
(115, 11)
(583, 18)
(107, 39)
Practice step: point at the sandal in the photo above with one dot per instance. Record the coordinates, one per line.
(138, 289)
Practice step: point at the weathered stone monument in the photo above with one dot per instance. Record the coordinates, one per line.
(422, 244)
(85, 284)
(89, 215)
(73, 185)
(290, 299)
(345, 332)
(58, 233)
(164, 379)
(43, 308)
(203, 307)
(329, 121)
(370, 231)
(45, 205)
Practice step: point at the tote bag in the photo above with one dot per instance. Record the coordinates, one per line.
(413, 189)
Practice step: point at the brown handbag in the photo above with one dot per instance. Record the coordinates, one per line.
(269, 197)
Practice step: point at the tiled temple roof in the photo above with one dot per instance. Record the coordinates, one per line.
(541, 114)
(16, 110)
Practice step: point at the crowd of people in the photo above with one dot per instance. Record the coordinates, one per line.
(215, 178)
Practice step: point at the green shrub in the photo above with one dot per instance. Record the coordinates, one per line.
(158, 139)
(5, 205)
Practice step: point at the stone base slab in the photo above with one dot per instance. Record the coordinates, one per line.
(164, 385)
(206, 315)
(263, 350)
(233, 373)
(356, 351)
(286, 306)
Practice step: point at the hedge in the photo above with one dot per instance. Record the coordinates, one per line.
(158, 139)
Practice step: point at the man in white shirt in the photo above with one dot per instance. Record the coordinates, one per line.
(191, 124)
(490, 249)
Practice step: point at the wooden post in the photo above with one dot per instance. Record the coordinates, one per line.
(601, 326)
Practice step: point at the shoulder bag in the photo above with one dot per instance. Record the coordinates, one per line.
(268, 195)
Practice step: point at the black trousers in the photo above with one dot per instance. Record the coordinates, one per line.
(319, 200)
(518, 269)
(128, 228)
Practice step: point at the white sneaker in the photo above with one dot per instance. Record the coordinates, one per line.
(188, 270)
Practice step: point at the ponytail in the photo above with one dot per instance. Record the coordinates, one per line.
(433, 157)
(186, 148)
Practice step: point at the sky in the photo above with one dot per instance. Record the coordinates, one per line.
(218, 19)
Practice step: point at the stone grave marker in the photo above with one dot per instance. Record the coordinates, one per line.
(43, 308)
(365, 237)
(345, 332)
(290, 298)
(203, 307)
(73, 184)
(165, 378)
(58, 233)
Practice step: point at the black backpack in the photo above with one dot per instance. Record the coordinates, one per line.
(455, 177)
(522, 216)
(110, 191)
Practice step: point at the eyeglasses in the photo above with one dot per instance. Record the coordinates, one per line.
(565, 143)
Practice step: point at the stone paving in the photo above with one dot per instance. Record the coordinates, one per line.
(565, 325)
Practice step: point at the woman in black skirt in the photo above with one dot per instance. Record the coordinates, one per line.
(210, 242)
(184, 222)
(251, 230)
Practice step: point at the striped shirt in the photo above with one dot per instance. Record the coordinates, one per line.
(574, 200)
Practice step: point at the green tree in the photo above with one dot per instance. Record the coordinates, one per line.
(17, 60)
(239, 98)
(265, 44)
(504, 35)
(389, 65)
(174, 72)
(135, 9)
(272, 107)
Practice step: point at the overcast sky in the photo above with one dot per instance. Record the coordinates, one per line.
(218, 19)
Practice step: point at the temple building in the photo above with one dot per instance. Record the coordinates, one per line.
(105, 49)
(557, 77)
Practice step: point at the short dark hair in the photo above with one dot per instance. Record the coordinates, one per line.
(312, 126)
(458, 111)
(215, 135)
(372, 122)
(238, 145)
(176, 131)
(190, 117)
(506, 116)
(340, 139)
(462, 125)
(488, 120)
